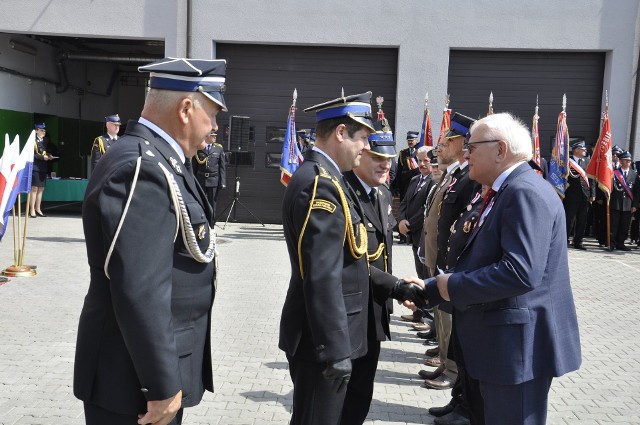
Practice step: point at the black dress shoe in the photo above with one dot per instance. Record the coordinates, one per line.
(580, 246)
(427, 335)
(33, 216)
(432, 375)
(40, 214)
(624, 248)
(431, 342)
(441, 411)
(453, 418)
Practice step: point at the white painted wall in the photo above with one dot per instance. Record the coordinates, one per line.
(424, 31)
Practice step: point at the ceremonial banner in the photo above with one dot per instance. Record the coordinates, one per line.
(559, 163)
(426, 137)
(600, 168)
(20, 176)
(535, 140)
(7, 179)
(291, 156)
(445, 124)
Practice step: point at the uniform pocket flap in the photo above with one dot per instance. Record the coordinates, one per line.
(185, 340)
(196, 213)
(353, 302)
(507, 316)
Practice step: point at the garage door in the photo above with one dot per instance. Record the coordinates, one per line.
(260, 84)
(516, 77)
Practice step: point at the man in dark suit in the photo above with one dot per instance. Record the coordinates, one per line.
(411, 214)
(368, 181)
(407, 167)
(210, 169)
(327, 319)
(579, 194)
(514, 310)
(143, 351)
(104, 142)
(625, 195)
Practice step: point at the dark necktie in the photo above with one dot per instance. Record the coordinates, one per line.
(187, 165)
(624, 174)
(374, 198)
(487, 199)
(420, 183)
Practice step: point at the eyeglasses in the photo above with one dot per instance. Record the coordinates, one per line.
(468, 146)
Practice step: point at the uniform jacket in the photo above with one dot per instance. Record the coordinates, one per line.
(210, 166)
(325, 316)
(462, 228)
(620, 200)
(412, 206)
(144, 331)
(460, 192)
(515, 314)
(578, 190)
(39, 164)
(378, 247)
(99, 147)
(404, 171)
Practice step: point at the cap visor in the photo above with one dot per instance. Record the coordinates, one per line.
(384, 151)
(217, 98)
(364, 121)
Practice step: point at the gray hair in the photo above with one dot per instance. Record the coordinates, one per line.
(423, 150)
(512, 130)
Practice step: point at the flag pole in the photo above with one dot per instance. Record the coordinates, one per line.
(24, 232)
(15, 237)
(606, 109)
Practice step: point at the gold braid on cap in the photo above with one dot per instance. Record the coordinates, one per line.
(357, 249)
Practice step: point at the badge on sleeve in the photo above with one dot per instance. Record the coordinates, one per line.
(322, 204)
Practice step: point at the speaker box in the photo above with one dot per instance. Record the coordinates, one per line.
(239, 133)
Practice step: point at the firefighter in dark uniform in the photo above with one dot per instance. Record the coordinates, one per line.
(407, 165)
(327, 312)
(368, 181)
(625, 197)
(104, 142)
(210, 169)
(579, 194)
(143, 350)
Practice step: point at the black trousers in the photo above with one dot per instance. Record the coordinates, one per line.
(421, 269)
(315, 401)
(212, 196)
(95, 415)
(576, 211)
(620, 222)
(600, 221)
(360, 389)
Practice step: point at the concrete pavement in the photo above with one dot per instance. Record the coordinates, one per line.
(38, 323)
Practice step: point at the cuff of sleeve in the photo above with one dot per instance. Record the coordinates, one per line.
(432, 293)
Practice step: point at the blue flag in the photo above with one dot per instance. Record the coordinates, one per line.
(291, 156)
(559, 163)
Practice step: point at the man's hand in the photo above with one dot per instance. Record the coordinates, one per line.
(407, 290)
(161, 412)
(403, 227)
(633, 210)
(339, 372)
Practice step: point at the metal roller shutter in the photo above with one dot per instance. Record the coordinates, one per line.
(260, 84)
(516, 77)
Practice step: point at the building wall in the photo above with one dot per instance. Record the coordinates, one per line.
(425, 31)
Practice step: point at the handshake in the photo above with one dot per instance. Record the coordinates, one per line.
(421, 293)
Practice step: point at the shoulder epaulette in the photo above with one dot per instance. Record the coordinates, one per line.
(218, 145)
(323, 172)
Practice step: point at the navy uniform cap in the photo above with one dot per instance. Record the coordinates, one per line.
(356, 106)
(580, 144)
(40, 126)
(434, 160)
(304, 134)
(616, 149)
(459, 127)
(115, 119)
(625, 155)
(412, 135)
(190, 75)
(383, 144)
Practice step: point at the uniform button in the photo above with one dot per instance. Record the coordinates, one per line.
(144, 390)
(146, 142)
(369, 225)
